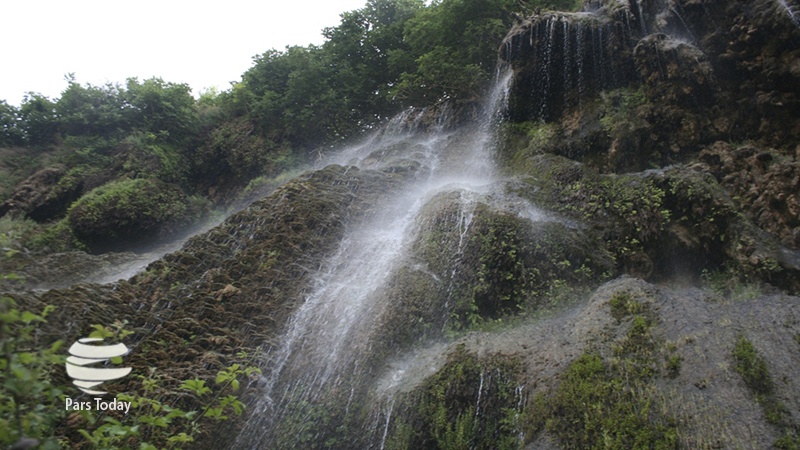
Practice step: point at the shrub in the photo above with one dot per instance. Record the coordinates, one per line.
(129, 210)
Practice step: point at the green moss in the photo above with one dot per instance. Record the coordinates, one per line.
(604, 403)
(56, 237)
(623, 305)
(523, 140)
(788, 441)
(594, 407)
(146, 155)
(128, 210)
(621, 111)
(673, 365)
(469, 403)
(753, 369)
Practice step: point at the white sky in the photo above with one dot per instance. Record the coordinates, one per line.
(202, 43)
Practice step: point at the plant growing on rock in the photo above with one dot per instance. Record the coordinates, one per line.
(31, 405)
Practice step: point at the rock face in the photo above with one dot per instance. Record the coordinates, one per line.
(717, 101)
(42, 195)
(736, 79)
(629, 280)
(226, 291)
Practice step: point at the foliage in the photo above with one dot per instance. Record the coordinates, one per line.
(128, 209)
(162, 108)
(31, 405)
(729, 284)
(155, 424)
(37, 119)
(147, 156)
(100, 111)
(753, 369)
(598, 404)
(469, 403)
(634, 205)
(14, 233)
(10, 132)
(56, 237)
(453, 44)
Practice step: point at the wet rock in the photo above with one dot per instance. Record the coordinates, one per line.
(122, 213)
(561, 60)
(766, 182)
(59, 270)
(42, 195)
(674, 72)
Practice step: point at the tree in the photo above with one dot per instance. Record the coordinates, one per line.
(10, 132)
(454, 44)
(92, 110)
(38, 119)
(162, 108)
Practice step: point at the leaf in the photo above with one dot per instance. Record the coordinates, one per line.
(197, 386)
(26, 357)
(181, 437)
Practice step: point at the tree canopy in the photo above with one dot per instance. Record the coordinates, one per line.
(378, 60)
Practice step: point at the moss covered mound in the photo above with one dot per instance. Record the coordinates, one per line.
(124, 212)
(226, 291)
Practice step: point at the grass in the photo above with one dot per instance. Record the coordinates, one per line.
(753, 369)
(605, 402)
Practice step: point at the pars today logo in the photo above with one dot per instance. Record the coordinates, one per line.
(85, 355)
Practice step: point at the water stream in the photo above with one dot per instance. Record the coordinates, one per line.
(328, 343)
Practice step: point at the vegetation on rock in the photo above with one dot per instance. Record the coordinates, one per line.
(648, 155)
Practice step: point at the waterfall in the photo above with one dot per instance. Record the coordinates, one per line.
(329, 345)
(791, 11)
(572, 57)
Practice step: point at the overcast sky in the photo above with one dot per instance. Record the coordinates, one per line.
(202, 43)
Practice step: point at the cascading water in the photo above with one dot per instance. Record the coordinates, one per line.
(332, 344)
(573, 56)
(791, 11)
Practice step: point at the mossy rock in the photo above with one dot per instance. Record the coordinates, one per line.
(126, 212)
(489, 264)
(471, 402)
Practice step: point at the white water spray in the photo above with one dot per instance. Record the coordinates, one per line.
(791, 11)
(330, 335)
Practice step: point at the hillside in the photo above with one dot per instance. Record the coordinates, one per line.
(485, 225)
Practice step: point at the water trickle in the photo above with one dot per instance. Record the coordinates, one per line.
(388, 421)
(676, 12)
(480, 391)
(547, 65)
(638, 13)
(329, 341)
(579, 55)
(791, 11)
(567, 59)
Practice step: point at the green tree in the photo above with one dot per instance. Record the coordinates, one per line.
(162, 108)
(454, 44)
(368, 53)
(92, 110)
(10, 132)
(30, 406)
(38, 119)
